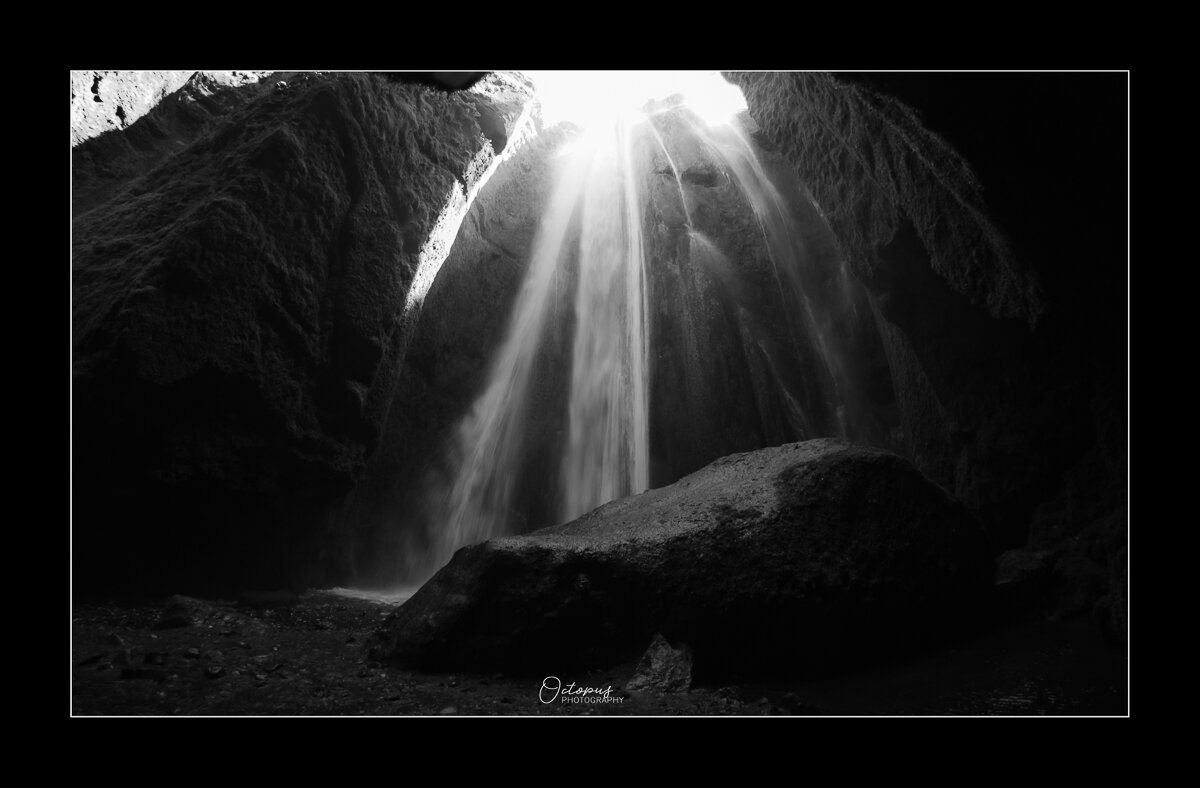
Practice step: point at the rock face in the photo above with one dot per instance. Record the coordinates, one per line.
(873, 164)
(738, 319)
(781, 558)
(464, 319)
(103, 165)
(241, 310)
(998, 285)
(107, 100)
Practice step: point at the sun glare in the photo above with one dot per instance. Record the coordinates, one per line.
(589, 97)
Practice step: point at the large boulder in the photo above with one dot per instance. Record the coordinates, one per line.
(777, 559)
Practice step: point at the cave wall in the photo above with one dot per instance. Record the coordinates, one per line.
(250, 379)
(240, 311)
(986, 216)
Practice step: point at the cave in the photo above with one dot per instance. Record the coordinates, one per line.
(575, 393)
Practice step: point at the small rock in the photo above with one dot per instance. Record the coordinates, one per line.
(351, 639)
(214, 671)
(192, 653)
(449, 710)
(662, 669)
(243, 644)
(114, 639)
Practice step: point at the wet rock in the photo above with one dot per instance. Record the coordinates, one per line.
(449, 710)
(214, 671)
(192, 653)
(798, 555)
(662, 669)
(154, 658)
(113, 639)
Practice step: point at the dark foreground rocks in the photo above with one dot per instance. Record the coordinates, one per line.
(801, 555)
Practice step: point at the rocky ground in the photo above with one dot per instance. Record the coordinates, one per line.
(289, 655)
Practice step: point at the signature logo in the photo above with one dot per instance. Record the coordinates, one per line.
(553, 690)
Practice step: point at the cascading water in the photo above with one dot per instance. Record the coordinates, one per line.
(606, 456)
(593, 236)
(607, 453)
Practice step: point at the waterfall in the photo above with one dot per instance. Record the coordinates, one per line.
(593, 236)
(607, 454)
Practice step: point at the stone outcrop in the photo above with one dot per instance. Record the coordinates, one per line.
(240, 313)
(781, 558)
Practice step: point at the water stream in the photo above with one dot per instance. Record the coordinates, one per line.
(593, 236)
